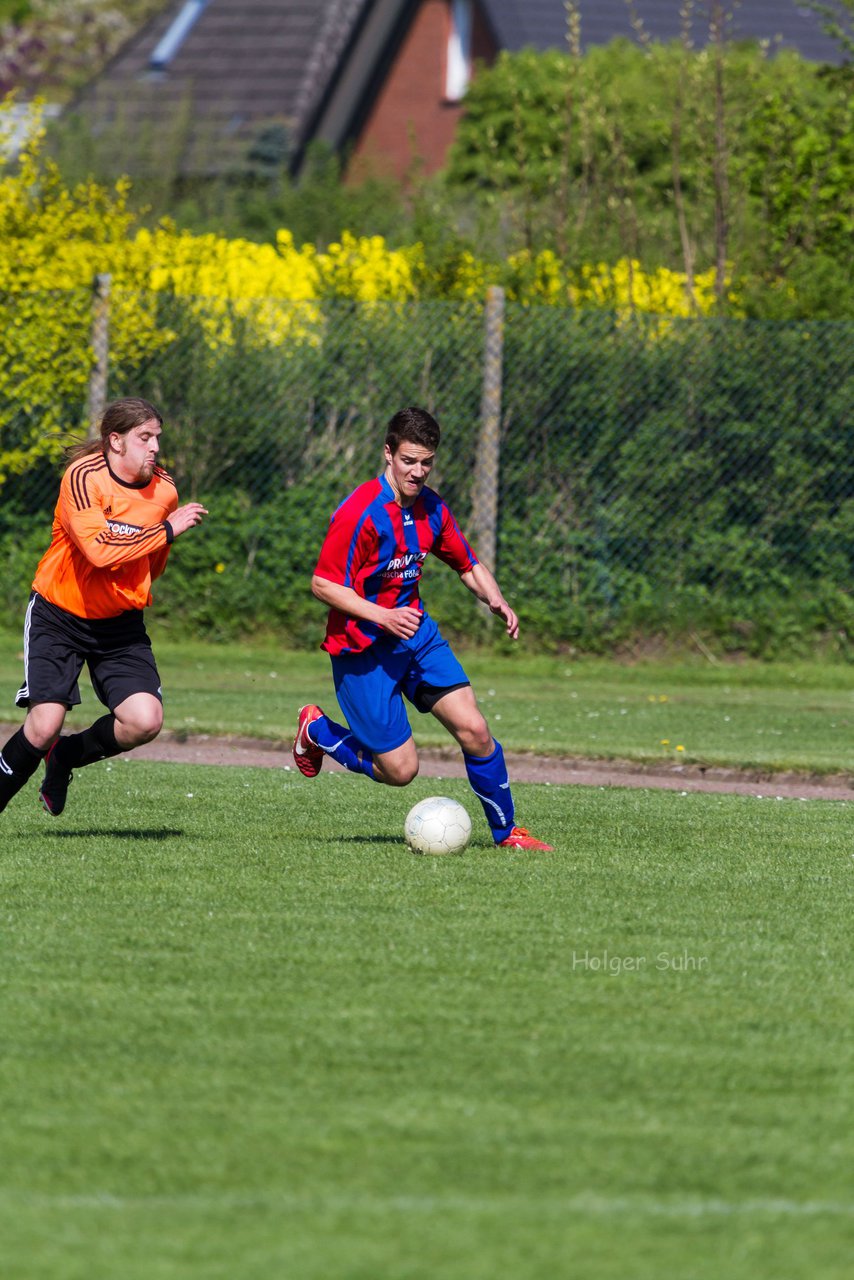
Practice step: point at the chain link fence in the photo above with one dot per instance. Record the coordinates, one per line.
(624, 474)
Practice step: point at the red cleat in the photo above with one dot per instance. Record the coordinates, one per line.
(520, 838)
(307, 754)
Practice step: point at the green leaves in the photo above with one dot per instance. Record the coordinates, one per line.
(600, 157)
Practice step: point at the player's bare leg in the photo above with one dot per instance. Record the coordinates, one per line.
(396, 768)
(139, 719)
(462, 717)
(43, 724)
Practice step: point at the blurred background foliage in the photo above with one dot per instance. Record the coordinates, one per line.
(598, 157)
(54, 46)
(677, 447)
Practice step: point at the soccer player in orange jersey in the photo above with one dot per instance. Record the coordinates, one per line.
(115, 520)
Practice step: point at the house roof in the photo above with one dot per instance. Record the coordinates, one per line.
(232, 68)
(292, 69)
(542, 23)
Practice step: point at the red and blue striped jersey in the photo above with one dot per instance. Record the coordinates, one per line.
(378, 548)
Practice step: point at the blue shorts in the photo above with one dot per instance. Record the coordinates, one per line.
(370, 685)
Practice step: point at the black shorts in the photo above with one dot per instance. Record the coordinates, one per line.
(117, 652)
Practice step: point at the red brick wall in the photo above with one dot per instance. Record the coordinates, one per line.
(410, 124)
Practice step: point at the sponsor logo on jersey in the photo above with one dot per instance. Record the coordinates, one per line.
(406, 567)
(398, 562)
(120, 527)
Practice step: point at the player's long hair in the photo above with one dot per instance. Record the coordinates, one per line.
(119, 418)
(416, 426)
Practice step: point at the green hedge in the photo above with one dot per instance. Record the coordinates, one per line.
(656, 476)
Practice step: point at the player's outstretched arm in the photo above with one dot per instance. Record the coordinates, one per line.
(481, 582)
(403, 622)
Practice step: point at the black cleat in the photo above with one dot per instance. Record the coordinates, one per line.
(54, 787)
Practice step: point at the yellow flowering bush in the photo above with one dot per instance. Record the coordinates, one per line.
(461, 276)
(537, 277)
(365, 269)
(273, 286)
(55, 240)
(625, 287)
(276, 287)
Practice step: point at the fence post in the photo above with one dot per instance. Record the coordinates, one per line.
(487, 457)
(101, 347)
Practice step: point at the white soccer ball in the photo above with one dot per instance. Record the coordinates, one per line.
(437, 825)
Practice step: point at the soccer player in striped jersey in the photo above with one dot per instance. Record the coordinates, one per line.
(115, 520)
(382, 642)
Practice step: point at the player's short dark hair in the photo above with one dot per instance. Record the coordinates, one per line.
(119, 418)
(414, 425)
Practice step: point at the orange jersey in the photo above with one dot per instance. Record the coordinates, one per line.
(109, 541)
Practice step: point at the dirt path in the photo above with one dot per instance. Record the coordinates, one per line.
(202, 749)
(259, 753)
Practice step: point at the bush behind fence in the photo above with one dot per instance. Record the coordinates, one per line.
(628, 474)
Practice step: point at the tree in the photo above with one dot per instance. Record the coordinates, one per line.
(54, 46)
(837, 20)
(677, 163)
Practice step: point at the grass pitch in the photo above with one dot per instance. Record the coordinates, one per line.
(797, 715)
(246, 1034)
(769, 716)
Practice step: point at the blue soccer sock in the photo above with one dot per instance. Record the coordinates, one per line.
(339, 743)
(488, 779)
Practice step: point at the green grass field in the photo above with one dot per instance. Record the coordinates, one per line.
(797, 715)
(244, 1033)
(247, 1034)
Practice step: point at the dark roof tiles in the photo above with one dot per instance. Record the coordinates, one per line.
(543, 23)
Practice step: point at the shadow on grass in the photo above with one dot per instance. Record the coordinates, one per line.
(121, 833)
(475, 846)
(368, 840)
